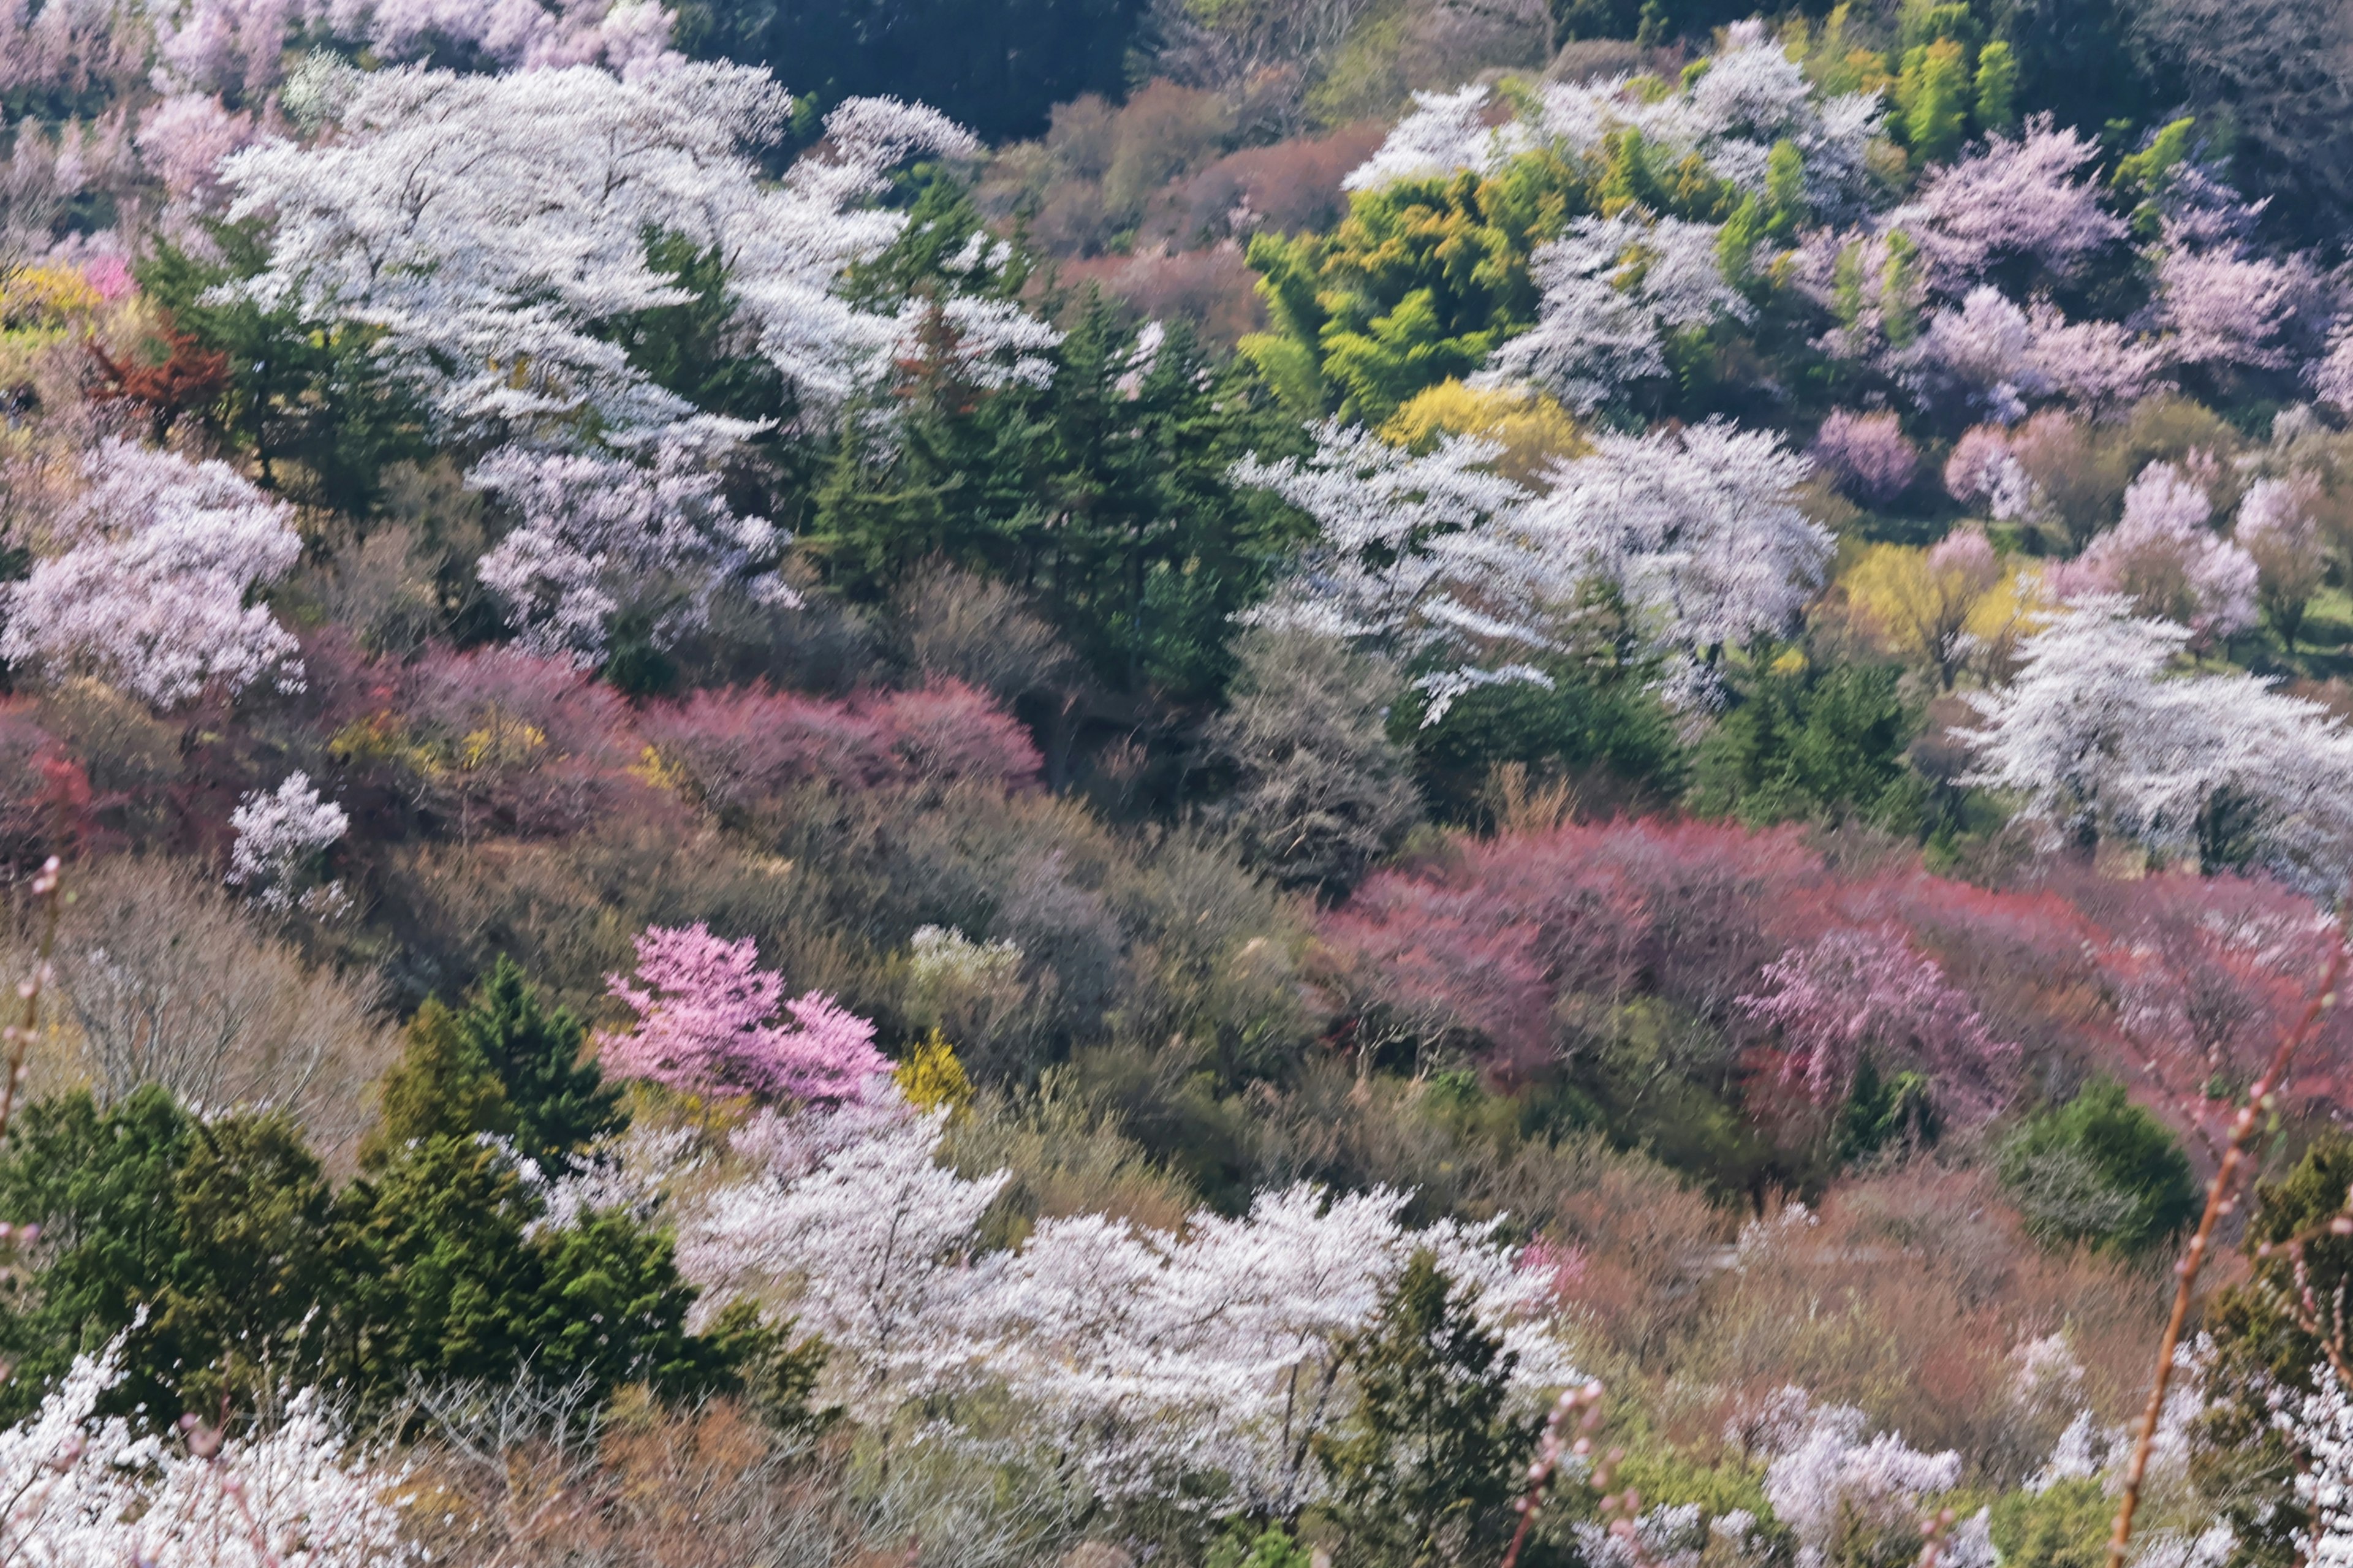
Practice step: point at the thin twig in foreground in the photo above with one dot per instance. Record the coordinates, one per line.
(2260, 1098)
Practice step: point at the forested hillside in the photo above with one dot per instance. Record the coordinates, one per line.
(1241, 784)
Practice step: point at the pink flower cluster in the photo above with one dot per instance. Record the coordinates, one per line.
(707, 1024)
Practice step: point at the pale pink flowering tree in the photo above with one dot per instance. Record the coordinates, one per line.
(1980, 354)
(2165, 558)
(182, 140)
(628, 36)
(152, 589)
(2028, 200)
(1861, 992)
(707, 1024)
(2278, 530)
(2332, 374)
(212, 46)
(1982, 468)
(2224, 307)
(2103, 366)
(1866, 456)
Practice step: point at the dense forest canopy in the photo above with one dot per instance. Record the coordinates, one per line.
(1233, 782)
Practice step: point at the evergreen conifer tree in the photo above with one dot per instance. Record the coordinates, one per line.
(1426, 1471)
(557, 1103)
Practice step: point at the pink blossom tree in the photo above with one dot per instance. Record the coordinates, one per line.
(2165, 558)
(1859, 992)
(2018, 201)
(153, 585)
(1865, 456)
(707, 1025)
(2223, 306)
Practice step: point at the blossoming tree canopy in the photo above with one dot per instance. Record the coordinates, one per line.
(708, 1023)
(150, 577)
(495, 228)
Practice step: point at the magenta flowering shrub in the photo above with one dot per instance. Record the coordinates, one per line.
(711, 1021)
(739, 747)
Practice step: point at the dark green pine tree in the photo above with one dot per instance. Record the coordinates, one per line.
(1425, 1471)
(557, 1102)
(210, 1246)
(456, 1283)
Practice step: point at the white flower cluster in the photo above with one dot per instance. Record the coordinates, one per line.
(151, 588)
(494, 229)
(1697, 529)
(1750, 97)
(84, 1490)
(1613, 288)
(1158, 1357)
(278, 834)
(602, 534)
(2094, 734)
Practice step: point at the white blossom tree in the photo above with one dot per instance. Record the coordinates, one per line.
(150, 579)
(1159, 1360)
(599, 536)
(2029, 200)
(279, 831)
(1696, 531)
(291, 1494)
(1612, 289)
(494, 226)
(2094, 735)
(2167, 560)
(1748, 98)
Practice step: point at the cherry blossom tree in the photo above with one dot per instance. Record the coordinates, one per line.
(2221, 306)
(2319, 1426)
(1751, 97)
(278, 834)
(2094, 735)
(288, 1494)
(1828, 1479)
(1406, 550)
(1982, 468)
(183, 139)
(601, 536)
(2165, 558)
(1865, 455)
(2101, 366)
(1161, 1360)
(873, 1239)
(707, 1024)
(495, 229)
(629, 37)
(1697, 529)
(1863, 992)
(1443, 132)
(1613, 288)
(2029, 200)
(1981, 353)
(150, 583)
(2276, 529)
(2332, 374)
